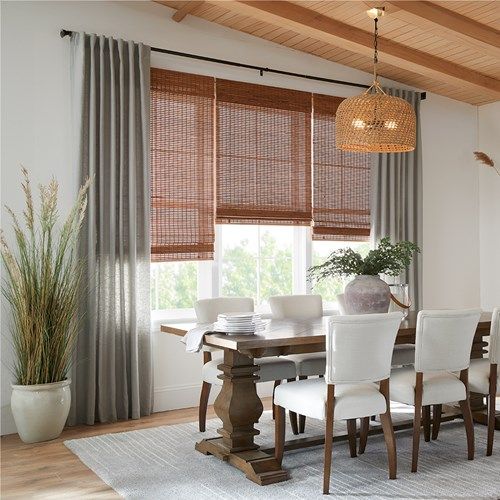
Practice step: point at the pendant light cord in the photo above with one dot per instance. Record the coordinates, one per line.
(375, 53)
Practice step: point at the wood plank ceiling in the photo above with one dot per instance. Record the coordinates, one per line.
(450, 48)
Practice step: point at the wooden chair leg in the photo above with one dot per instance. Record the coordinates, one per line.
(351, 432)
(328, 439)
(279, 434)
(302, 418)
(202, 409)
(276, 383)
(390, 443)
(363, 434)
(436, 420)
(293, 416)
(491, 408)
(293, 422)
(417, 421)
(426, 417)
(469, 427)
(467, 415)
(390, 440)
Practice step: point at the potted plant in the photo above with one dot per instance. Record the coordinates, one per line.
(42, 285)
(367, 293)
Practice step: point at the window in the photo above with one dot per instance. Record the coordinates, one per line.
(174, 285)
(248, 191)
(250, 261)
(256, 261)
(330, 288)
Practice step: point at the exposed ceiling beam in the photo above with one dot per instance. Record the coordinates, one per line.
(320, 27)
(451, 25)
(187, 8)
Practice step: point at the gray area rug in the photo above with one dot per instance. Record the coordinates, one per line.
(161, 463)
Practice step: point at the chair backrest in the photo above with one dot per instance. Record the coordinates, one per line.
(296, 306)
(359, 347)
(494, 351)
(207, 310)
(341, 303)
(443, 339)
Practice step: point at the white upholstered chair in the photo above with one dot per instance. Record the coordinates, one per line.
(301, 307)
(358, 353)
(403, 355)
(271, 369)
(443, 346)
(484, 377)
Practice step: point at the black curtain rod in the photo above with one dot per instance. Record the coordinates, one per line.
(260, 69)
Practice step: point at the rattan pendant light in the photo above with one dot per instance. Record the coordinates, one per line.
(374, 121)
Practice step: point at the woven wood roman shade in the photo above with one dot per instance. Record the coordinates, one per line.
(263, 168)
(341, 186)
(182, 158)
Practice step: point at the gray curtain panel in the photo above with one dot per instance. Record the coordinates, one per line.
(397, 199)
(112, 374)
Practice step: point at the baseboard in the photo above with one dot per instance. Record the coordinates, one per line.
(165, 398)
(175, 397)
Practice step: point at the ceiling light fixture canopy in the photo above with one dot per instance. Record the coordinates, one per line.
(375, 121)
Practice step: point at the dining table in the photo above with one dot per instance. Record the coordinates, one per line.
(239, 407)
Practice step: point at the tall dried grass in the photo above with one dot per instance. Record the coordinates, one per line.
(42, 284)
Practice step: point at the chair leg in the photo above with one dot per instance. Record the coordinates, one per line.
(293, 422)
(293, 416)
(469, 427)
(390, 443)
(279, 434)
(491, 408)
(202, 409)
(417, 419)
(302, 418)
(426, 417)
(436, 420)
(328, 439)
(363, 434)
(276, 383)
(351, 431)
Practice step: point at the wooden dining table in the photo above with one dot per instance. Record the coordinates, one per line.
(239, 407)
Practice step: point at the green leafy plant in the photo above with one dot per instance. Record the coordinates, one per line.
(387, 258)
(42, 285)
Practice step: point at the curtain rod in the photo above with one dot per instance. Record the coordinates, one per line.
(260, 69)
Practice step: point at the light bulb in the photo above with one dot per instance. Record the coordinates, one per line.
(359, 124)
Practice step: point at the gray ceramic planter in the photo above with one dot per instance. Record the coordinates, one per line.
(367, 295)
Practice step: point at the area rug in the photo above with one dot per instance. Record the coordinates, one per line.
(161, 463)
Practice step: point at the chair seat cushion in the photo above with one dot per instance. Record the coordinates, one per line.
(403, 355)
(309, 364)
(272, 368)
(308, 397)
(438, 387)
(479, 376)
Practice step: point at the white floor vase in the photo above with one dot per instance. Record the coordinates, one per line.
(40, 411)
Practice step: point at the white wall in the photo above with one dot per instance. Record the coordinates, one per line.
(35, 132)
(489, 205)
(450, 219)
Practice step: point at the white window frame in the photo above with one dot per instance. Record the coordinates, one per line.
(208, 275)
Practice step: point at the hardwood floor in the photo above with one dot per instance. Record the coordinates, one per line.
(50, 470)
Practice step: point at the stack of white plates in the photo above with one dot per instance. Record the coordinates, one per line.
(239, 323)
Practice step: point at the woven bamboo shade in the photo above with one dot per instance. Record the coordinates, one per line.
(377, 123)
(182, 158)
(341, 180)
(263, 167)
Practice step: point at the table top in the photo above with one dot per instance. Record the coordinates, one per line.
(288, 333)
